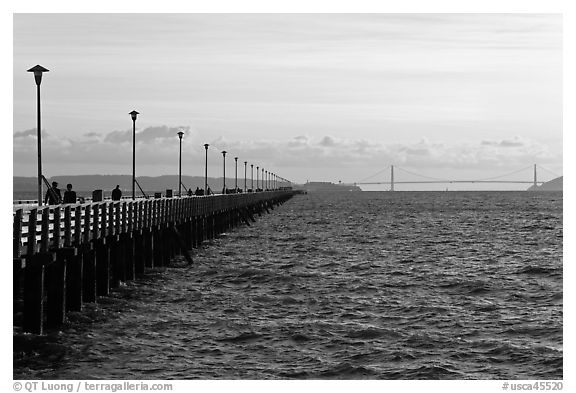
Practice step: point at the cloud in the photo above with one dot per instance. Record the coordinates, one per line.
(148, 134)
(298, 141)
(26, 133)
(327, 142)
(118, 136)
(514, 142)
(157, 153)
(163, 132)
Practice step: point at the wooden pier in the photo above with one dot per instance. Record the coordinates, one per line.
(68, 255)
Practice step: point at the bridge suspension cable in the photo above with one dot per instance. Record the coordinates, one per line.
(417, 174)
(504, 175)
(375, 174)
(548, 170)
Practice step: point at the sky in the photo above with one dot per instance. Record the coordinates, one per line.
(319, 97)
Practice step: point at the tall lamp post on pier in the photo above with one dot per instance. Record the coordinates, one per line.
(206, 170)
(38, 70)
(133, 115)
(180, 134)
(236, 176)
(245, 164)
(252, 177)
(257, 176)
(224, 175)
(263, 188)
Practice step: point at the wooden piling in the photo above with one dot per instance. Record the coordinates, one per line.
(102, 251)
(117, 261)
(139, 251)
(17, 261)
(73, 260)
(34, 299)
(89, 274)
(56, 293)
(147, 235)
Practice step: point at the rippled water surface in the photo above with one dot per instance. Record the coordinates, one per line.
(448, 285)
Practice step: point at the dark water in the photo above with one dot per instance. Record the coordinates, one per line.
(450, 285)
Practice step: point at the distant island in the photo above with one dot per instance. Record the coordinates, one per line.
(314, 186)
(552, 185)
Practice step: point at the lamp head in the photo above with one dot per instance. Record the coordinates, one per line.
(134, 114)
(224, 153)
(180, 134)
(206, 146)
(236, 159)
(38, 70)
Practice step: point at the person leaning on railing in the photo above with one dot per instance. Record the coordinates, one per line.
(69, 195)
(116, 193)
(53, 196)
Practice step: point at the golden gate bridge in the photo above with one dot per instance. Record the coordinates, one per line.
(433, 180)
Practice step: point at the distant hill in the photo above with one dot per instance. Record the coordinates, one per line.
(89, 183)
(24, 183)
(552, 185)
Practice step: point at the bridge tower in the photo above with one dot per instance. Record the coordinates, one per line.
(535, 178)
(391, 177)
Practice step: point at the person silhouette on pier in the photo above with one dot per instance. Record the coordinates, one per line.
(69, 195)
(116, 193)
(53, 196)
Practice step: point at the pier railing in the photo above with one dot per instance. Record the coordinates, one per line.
(57, 226)
(67, 255)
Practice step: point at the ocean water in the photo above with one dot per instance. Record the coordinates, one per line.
(374, 285)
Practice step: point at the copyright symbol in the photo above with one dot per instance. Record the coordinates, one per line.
(17, 386)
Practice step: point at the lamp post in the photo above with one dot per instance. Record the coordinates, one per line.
(236, 176)
(245, 164)
(224, 175)
(180, 134)
(252, 177)
(263, 179)
(206, 171)
(38, 70)
(133, 115)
